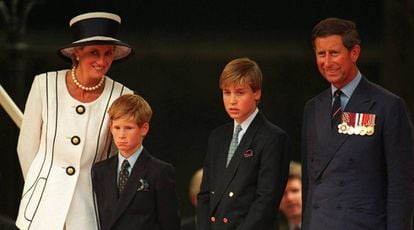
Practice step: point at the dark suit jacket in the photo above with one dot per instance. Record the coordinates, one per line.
(353, 181)
(149, 200)
(246, 195)
(189, 223)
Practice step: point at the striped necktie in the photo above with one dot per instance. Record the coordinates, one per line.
(336, 109)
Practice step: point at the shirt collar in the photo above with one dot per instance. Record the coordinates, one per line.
(245, 124)
(132, 159)
(350, 87)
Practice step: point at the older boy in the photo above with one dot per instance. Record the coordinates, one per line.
(246, 167)
(134, 190)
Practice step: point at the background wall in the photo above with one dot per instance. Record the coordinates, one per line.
(181, 48)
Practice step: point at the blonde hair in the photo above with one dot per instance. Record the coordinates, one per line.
(295, 170)
(131, 105)
(240, 71)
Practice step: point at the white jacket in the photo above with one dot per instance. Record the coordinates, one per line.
(58, 144)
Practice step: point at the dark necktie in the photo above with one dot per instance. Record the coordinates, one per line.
(233, 144)
(123, 175)
(336, 109)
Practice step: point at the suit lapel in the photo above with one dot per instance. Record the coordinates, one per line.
(138, 171)
(327, 136)
(227, 174)
(323, 116)
(111, 184)
(220, 163)
(360, 102)
(245, 142)
(224, 142)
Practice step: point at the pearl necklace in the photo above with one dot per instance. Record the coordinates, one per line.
(86, 88)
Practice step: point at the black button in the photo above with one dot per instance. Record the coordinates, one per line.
(341, 183)
(70, 170)
(315, 206)
(80, 109)
(75, 140)
(338, 207)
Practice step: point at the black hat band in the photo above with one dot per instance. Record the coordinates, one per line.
(95, 27)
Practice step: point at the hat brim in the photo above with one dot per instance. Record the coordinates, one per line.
(122, 50)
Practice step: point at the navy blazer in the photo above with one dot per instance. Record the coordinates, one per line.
(354, 181)
(149, 200)
(246, 194)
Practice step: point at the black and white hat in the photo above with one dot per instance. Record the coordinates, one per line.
(96, 28)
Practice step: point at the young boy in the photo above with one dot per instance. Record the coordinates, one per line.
(247, 161)
(133, 189)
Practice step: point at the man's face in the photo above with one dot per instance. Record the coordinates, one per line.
(335, 62)
(291, 203)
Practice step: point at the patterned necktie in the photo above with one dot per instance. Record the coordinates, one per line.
(123, 175)
(234, 143)
(336, 109)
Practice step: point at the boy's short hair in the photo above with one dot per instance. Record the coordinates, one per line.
(131, 105)
(240, 71)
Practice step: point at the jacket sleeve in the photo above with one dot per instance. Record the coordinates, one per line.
(30, 131)
(167, 201)
(399, 157)
(203, 199)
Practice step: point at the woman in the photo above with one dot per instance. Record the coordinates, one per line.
(65, 128)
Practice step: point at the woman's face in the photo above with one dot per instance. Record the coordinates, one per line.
(94, 61)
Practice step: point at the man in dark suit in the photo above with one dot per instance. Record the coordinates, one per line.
(357, 143)
(247, 161)
(134, 190)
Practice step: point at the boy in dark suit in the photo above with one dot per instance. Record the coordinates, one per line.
(246, 166)
(133, 189)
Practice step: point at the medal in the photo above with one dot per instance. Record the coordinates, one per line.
(363, 131)
(370, 130)
(357, 130)
(371, 124)
(343, 128)
(357, 124)
(351, 130)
